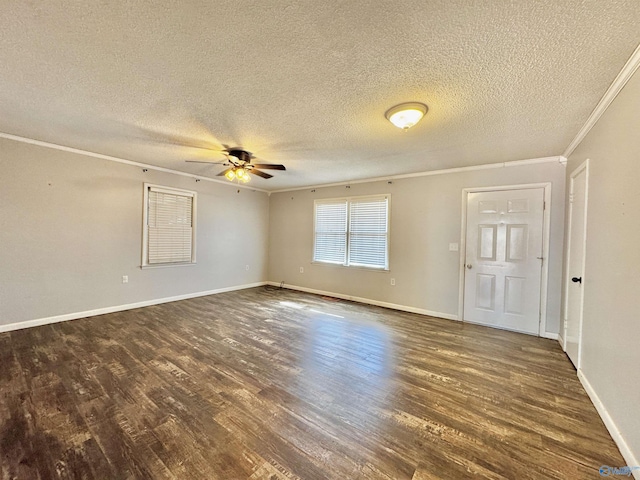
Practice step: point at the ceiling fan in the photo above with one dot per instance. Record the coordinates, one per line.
(240, 166)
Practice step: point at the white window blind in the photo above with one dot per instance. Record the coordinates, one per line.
(368, 232)
(330, 232)
(169, 226)
(352, 231)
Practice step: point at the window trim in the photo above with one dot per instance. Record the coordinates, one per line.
(348, 200)
(145, 227)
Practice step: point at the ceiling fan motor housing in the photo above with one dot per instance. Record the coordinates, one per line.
(242, 155)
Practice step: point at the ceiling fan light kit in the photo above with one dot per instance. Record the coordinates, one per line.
(237, 173)
(406, 115)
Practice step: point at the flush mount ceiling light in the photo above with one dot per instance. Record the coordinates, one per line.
(406, 115)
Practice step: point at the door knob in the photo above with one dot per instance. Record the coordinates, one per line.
(576, 279)
(469, 266)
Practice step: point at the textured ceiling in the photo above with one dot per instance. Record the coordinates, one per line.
(306, 83)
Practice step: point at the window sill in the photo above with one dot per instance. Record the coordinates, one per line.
(352, 267)
(167, 265)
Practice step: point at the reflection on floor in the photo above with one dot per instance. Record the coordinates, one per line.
(271, 383)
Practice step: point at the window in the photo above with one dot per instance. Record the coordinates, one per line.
(169, 226)
(352, 231)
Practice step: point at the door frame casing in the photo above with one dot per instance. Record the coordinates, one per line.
(546, 229)
(567, 274)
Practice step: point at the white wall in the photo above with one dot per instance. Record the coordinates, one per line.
(611, 324)
(425, 218)
(71, 227)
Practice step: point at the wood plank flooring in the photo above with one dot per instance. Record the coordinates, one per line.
(274, 384)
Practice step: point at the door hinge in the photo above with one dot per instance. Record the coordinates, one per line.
(544, 205)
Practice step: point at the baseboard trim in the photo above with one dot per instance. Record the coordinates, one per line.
(119, 308)
(561, 341)
(549, 335)
(394, 306)
(626, 452)
(369, 301)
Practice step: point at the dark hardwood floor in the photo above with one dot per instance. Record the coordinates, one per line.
(272, 384)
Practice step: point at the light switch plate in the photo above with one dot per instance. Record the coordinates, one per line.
(453, 247)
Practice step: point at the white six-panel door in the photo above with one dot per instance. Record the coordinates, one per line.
(503, 259)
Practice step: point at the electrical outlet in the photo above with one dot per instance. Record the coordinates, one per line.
(453, 247)
(125, 279)
(246, 268)
(301, 269)
(393, 281)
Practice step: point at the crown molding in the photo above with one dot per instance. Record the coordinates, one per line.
(612, 92)
(87, 153)
(515, 163)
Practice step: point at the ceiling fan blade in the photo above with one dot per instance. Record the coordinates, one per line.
(223, 173)
(259, 173)
(269, 166)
